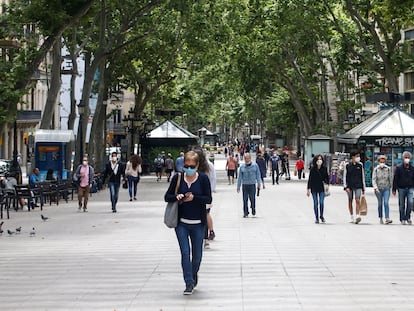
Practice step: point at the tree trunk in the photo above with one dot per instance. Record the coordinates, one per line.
(53, 92)
(97, 141)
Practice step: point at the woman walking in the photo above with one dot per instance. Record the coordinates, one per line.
(193, 194)
(261, 163)
(132, 171)
(382, 182)
(318, 183)
(206, 167)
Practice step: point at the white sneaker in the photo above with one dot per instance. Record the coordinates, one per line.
(358, 219)
(351, 220)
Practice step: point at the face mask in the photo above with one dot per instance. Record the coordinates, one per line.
(190, 171)
(85, 163)
(114, 159)
(319, 162)
(382, 164)
(358, 159)
(406, 160)
(248, 164)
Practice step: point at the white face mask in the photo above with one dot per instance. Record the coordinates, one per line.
(358, 159)
(85, 163)
(382, 164)
(319, 162)
(114, 159)
(406, 160)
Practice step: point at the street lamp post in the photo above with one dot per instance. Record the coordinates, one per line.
(81, 110)
(132, 125)
(15, 169)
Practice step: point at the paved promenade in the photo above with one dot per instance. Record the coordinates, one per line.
(279, 260)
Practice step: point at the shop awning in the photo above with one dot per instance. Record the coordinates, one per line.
(389, 122)
(63, 136)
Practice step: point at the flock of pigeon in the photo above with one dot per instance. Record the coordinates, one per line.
(18, 230)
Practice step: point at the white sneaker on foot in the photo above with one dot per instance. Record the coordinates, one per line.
(351, 220)
(358, 219)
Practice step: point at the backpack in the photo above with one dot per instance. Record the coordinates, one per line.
(275, 162)
(158, 162)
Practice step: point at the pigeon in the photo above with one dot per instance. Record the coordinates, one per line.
(18, 230)
(33, 232)
(44, 218)
(10, 232)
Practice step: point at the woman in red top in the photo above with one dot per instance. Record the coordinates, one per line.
(300, 165)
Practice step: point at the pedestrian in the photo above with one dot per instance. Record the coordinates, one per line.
(299, 166)
(114, 170)
(206, 167)
(404, 183)
(318, 184)
(274, 161)
(84, 177)
(382, 183)
(249, 179)
(159, 163)
(285, 166)
(132, 171)
(49, 175)
(179, 163)
(194, 193)
(9, 183)
(34, 177)
(261, 163)
(354, 184)
(236, 171)
(230, 167)
(169, 166)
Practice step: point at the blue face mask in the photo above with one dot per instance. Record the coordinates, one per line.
(190, 171)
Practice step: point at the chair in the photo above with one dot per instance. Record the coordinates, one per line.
(4, 203)
(66, 187)
(25, 192)
(49, 190)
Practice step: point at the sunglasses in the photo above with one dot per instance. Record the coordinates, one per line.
(190, 166)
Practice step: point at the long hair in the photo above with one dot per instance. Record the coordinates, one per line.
(135, 160)
(315, 158)
(202, 163)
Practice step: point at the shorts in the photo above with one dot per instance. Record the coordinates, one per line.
(230, 173)
(358, 193)
(168, 170)
(158, 169)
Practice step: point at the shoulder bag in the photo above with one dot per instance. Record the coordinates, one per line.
(171, 210)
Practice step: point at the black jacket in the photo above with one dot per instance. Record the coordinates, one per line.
(403, 177)
(354, 176)
(317, 178)
(109, 173)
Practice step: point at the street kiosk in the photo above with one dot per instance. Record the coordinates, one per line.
(50, 152)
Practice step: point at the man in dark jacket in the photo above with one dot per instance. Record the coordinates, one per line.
(354, 184)
(113, 171)
(404, 182)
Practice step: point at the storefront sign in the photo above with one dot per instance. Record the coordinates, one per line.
(395, 141)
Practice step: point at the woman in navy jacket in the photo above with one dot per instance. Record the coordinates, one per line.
(193, 194)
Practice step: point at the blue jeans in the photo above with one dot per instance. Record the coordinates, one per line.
(383, 197)
(405, 201)
(196, 234)
(113, 191)
(249, 192)
(132, 185)
(318, 206)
